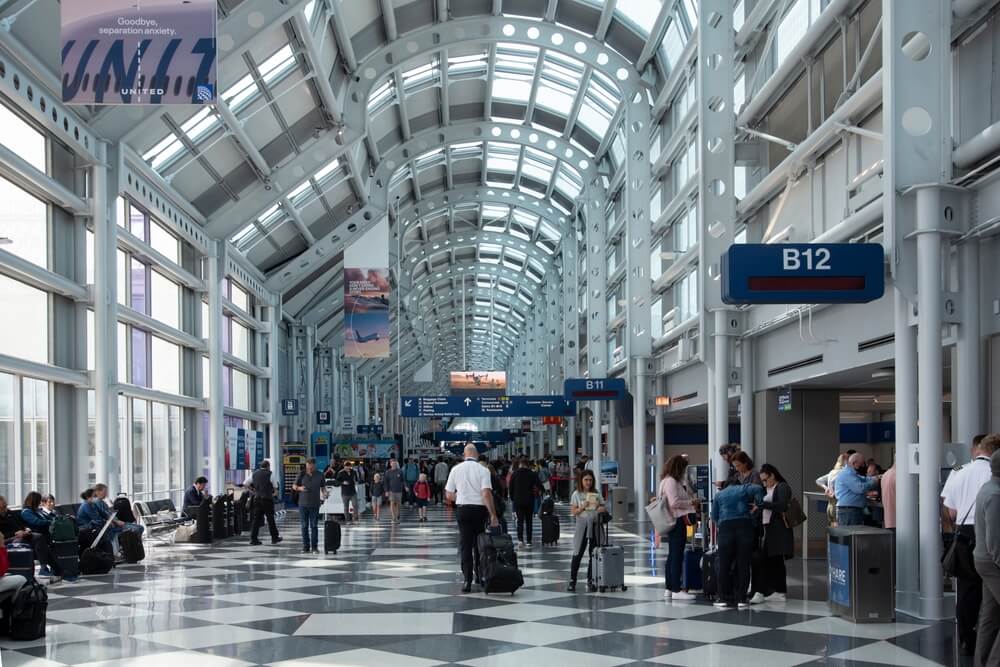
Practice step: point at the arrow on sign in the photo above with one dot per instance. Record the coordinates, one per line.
(407, 403)
(468, 402)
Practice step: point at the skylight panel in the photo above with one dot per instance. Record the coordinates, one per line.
(502, 157)
(242, 237)
(430, 159)
(538, 165)
(462, 66)
(200, 124)
(162, 152)
(416, 78)
(294, 194)
(279, 63)
(641, 13)
(548, 231)
(555, 97)
(512, 86)
(327, 169)
(382, 96)
(242, 91)
(594, 118)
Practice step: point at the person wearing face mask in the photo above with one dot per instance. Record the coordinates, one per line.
(851, 488)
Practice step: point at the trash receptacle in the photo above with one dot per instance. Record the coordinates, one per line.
(620, 497)
(862, 581)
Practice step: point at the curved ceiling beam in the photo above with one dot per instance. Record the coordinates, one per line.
(427, 252)
(378, 203)
(470, 32)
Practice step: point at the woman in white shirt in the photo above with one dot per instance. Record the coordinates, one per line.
(681, 503)
(586, 505)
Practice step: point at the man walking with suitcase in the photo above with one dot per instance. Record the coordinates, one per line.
(524, 483)
(470, 487)
(263, 505)
(311, 491)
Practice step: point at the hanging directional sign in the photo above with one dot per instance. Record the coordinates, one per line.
(486, 406)
(323, 417)
(473, 436)
(596, 389)
(290, 407)
(803, 273)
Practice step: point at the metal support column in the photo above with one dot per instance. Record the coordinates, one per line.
(659, 452)
(720, 390)
(216, 418)
(596, 434)
(613, 431)
(105, 326)
(746, 397)
(353, 395)
(907, 535)
(570, 438)
(275, 385)
(378, 414)
(366, 401)
(309, 410)
(969, 347)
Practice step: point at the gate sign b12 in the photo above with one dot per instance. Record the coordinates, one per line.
(803, 273)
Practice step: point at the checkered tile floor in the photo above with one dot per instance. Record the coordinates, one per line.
(391, 597)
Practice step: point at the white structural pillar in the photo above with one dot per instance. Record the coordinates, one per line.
(105, 325)
(366, 401)
(969, 347)
(354, 397)
(907, 536)
(310, 406)
(596, 434)
(570, 438)
(274, 362)
(720, 389)
(216, 415)
(378, 414)
(746, 397)
(659, 431)
(613, 431)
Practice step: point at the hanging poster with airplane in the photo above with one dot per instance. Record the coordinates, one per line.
(366, 313)
(490, 383)
(128, 52)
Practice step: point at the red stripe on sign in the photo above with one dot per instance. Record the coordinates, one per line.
(806, 283)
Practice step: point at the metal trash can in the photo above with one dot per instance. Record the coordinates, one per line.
(620, 497)
(862, 577)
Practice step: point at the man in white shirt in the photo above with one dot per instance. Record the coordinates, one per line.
(469, 486)
(959, 496)
(440, 479)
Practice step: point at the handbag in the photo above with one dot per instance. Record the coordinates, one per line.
(660, 516)
(793, 516)
(957, 561)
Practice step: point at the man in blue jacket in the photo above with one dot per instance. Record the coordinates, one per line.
(732, 513)
(851, 487)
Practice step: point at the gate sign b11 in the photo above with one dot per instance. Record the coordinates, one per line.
(594, 389)
(803, 273)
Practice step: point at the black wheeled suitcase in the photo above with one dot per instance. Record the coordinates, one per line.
(498, 563)
(550, 529)
(331, 536)
(22, 561)
(710, 574)
(67, 556)
(548, 507)
(131, 546)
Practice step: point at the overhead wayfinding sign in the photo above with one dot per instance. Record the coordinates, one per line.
(596, 389)
(128, 52)
(803, 273)
(487, 406)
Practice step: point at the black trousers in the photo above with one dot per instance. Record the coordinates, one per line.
(525, 518)
(586, 547)
(43, 552)
(736, 538)
(988, 639)
(471, 522)
(263, 508)
(968, 599)
(769, 574)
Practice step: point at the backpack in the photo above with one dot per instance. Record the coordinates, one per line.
(27, 612)
(63, 529)
(124, 509)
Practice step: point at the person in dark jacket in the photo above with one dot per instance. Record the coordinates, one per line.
(732, 513)
(196, 493)
(38, 523)
(263, 503)
(523, 485)
(769, 577)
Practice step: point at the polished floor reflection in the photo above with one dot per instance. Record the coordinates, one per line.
(391, 597)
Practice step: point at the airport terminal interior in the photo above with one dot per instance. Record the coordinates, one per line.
(499, 332)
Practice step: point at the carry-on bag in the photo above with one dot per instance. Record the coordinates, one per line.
(131, 546)
(27, 613)
(548, 507)
(498, 563)
(124, 509)
(22, 560)
(710, 574)
(691, 575)
(66, 554)
(331, 536)
(96, 559)
(607, 563)
(550, 529)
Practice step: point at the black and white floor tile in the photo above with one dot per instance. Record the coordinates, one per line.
(391, 597)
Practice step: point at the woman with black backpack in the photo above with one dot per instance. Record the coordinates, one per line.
(778, 545)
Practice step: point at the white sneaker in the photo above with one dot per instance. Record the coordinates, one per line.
(668, 594)
(777, 597)
(720, 604)
(743, 605)
(683, 595)
(757, 598)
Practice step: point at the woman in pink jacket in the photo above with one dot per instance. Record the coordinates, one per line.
(673, 487)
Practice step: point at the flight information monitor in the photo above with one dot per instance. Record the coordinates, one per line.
(803, 273)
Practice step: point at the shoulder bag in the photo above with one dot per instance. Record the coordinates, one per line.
(660, 515)
(957, 561)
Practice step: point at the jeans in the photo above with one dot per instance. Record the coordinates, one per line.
(350, 503)
(525, 519)
(471, 522)
(735, 554)
(676, 541)
(988, 633)
(263, 508)
(850, 516)
(309, 520)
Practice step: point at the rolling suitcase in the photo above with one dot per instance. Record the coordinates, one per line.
(550, 528)
(710, 574)
(331, 536)
(124, 509)
(131, 546)
(498, 563)
(548, 507)
(97, 558)
(66, 554)
(22, 561)
(691, 577)
(607, 564)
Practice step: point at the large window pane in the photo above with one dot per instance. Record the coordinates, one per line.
(91, 363)
(165, 242)
(140, 367)
(204, 377)
(35, 436)
(8, 447)
(24, 220)
(122, 353)
(240, 341)
(165, 300)
(240, 297)
(166, 366)
(22, 139)
(91, 438)
(90, 256)
(139, 430)
(138, 286)
(122, 278)
(161, 448)
(176, 456)
(28, 307)
(241, 390)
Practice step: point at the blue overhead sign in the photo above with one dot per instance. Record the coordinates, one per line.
(487, 406)
(803, 273)
(596, 389)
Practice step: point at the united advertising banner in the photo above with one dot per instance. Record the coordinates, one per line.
(366, 294)
(138, 51)
(366, 313)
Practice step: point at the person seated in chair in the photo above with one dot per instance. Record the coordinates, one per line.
(38, 523)
(196, 494)
(90, 518)
(117, 526)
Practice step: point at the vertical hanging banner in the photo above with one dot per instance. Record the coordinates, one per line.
(138, 51)
(366, 295)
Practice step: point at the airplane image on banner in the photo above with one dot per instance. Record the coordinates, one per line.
(365, 339)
